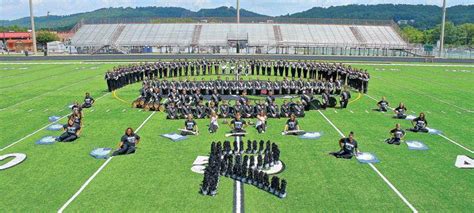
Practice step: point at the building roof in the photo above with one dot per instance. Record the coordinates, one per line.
(15, 35)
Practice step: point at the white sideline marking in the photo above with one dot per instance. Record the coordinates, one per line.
(44, 127)
(98, 171)
(376, 170)
(454, 142)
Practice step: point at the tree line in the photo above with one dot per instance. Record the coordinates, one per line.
(455, 35)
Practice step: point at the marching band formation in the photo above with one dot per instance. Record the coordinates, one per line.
(318, 71)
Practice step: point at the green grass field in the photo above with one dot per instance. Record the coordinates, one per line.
(158, 176)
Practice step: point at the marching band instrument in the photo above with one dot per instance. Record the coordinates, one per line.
(189, 131)
(293, 132)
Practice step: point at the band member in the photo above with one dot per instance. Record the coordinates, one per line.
(214, 124)
(238, 124)
(291, 125)
(345, 96)
(285, 85)
(185, 111)
(216, 97)
(293, 86)
(285, 110)
(324, 99)
(248, 111)
(76, 117)
(298, 109)
(259, 107)
(272, 111)
(396, 134)
(270, 99)
(420, 124)
(243, 99)
(88, 101)
(236, 109)
(171, 111)
(306, 100)
(190, 125)
(128, 143)
(211, 107)
(261, 123)
(224, 111)
(197, 97)
(383, 105)
(400, 111)
(349, 147)
(72, 131)
(200, 111)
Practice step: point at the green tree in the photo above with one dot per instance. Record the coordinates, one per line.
(13, 28)
(451, 35)
(43, 37)
(466, 34)
(414, 35)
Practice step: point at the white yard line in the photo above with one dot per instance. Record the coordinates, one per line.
(440, 100)
(376, 170)
(238, 200)
(98, 171)
(31, 134)
(70, 85)
(456, 143)
(238, 189)
(42, 128)
(443, 136)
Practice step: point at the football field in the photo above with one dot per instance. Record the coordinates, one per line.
(158, 177)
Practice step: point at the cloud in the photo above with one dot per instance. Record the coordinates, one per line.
(12, 9)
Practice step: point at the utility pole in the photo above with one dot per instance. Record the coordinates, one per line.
(238, 11)
(443, 22)
(33, 33)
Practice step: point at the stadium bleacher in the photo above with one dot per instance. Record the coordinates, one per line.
(263, 35)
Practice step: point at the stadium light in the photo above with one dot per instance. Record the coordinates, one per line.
(443, 22)
(33, 33)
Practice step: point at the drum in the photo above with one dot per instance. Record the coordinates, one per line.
(263, 92)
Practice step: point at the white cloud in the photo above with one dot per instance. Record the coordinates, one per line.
(12, 9)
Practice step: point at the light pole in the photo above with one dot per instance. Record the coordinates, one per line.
(33, 33)
(238, 11)
(443, 22)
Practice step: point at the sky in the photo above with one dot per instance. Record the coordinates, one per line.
(13, 9)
